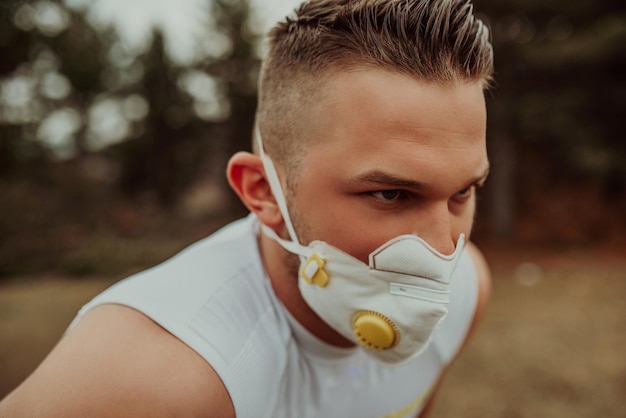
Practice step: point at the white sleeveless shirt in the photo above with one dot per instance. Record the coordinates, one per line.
(216, 298)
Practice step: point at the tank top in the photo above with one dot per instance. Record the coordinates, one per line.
(216, 298)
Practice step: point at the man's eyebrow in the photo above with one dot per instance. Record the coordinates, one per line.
(382, 178)
(389, 180)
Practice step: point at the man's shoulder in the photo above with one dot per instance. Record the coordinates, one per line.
(117, 362)
(207, 315)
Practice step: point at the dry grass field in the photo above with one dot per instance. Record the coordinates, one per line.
(552, 344)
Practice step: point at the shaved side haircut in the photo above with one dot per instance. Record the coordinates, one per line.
(437, 41)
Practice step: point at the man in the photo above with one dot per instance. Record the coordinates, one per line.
(348, 290)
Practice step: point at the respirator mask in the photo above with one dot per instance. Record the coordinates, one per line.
(390, 306)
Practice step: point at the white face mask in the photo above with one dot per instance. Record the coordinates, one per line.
(390, 306)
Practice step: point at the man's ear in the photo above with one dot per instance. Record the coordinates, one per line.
(246, 176)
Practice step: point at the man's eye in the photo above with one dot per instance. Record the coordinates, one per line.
(463, 195)
(464, 192)
(387, 195)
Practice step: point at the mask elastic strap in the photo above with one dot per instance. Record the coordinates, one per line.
(291, 246)
(275, 186)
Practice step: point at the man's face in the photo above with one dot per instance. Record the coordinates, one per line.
(395, 156)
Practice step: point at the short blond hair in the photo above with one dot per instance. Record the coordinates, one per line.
(438, 41)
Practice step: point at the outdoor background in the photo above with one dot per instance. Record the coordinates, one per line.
(117, 119)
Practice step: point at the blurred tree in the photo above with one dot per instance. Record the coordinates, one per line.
(76, 89)
(14, 52)
(12, 40)
(82, 110)
(238, 71)
(199, 113)
(71, 89)
(555, 113)
(50, 72)
(158, 159)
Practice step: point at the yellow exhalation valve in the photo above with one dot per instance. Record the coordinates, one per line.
(374, 330)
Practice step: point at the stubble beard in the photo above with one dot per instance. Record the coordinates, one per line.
(292, 261)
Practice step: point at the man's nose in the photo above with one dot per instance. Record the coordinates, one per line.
(436, 228)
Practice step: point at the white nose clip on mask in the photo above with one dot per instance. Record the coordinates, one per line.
(390, 306)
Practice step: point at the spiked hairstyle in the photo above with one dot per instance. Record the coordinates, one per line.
(438, 41)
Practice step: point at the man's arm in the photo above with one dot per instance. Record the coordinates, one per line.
(117, 362)
(483, 274)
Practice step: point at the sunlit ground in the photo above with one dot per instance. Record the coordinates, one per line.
(552, 343)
